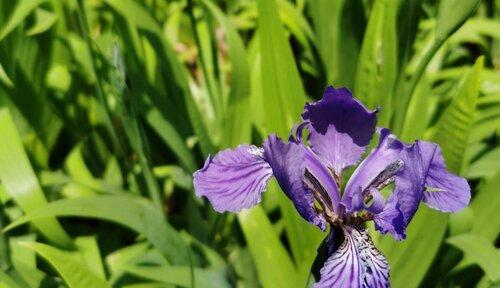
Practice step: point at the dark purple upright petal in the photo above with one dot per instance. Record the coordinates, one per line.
(340, 128)
(233, 179)
(356, 264)
(288, 164)
(444, 191)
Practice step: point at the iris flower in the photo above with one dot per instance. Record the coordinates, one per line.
(309, 171)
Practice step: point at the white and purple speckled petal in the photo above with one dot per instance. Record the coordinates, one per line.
(357, 263)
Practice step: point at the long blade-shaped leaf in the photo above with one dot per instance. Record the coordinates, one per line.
(180, 275)
(274, 266)
(135, 213)
(20, 182)
(453, 128)
(339, 27)
(237, 120)
(76, 274)
(284, 95)
(21, 11)
(377, 64)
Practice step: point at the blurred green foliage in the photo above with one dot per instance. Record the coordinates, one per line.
(109, 106)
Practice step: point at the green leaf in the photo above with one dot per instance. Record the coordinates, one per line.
(5, 279)
(453, 128)
(274, 266)
(20, 182)
(181, 276)
(486, 165)
(410, 259)
(284, 95)
(166, 131)
(377, 65)
(136, 14)
(132, 212)
(481, 251)
(44, 21)
(74, 273)
(419, 114)
(21, 11)
(338, 27)
(484, 205)
(452, 14)
(283, 101)
(24, 260)
(89, 251)
(237, 119)
(5, 78)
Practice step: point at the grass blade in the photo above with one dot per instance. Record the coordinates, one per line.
(73, 272)
(20, 181)
(21, 11)
(132, 212)
(377, 65)
(274, 266)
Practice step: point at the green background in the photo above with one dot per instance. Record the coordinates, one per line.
(107, 107)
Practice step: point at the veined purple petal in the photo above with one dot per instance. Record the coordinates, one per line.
(388, 151)
(391, 220)
(409, 184)
(233, 179)
(323, 177)
(340, 128)
(288, 164)
(444, 191)
(392, 159)
(356, 264)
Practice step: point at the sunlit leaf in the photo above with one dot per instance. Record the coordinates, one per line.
(481, 251)
(135, 213)
(74, 273)
(377, 64)
(44, 21)
(274, 266)
(21, 11)
(20, 181)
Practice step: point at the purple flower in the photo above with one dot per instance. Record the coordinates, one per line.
(339, 130)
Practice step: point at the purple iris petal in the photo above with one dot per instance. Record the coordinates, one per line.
(287, 161)
(388, 151)
(340, 128)
(356, 263)
(391, 220)
(409, 184)
(233, 179)
(323, 177)
(444, 191)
